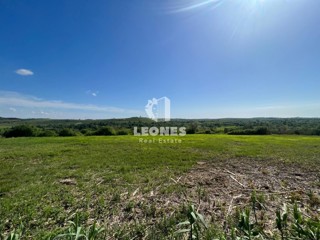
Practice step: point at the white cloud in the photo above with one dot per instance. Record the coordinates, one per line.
(92, 93)
(12, 109)
(36, 107)
(186, 5)
(24, 72)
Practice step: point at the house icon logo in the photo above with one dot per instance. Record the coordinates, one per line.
(158, 109)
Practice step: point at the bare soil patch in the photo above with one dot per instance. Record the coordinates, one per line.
(220, 189)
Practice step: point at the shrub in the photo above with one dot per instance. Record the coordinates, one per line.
(2, 132)
(87, 132)
(257, 131)
(123, 132)
(67, 132)
(48, 133)
(105, 131)
(21, 131)
(192, 128)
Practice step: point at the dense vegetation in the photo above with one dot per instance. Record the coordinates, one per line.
(254, 126)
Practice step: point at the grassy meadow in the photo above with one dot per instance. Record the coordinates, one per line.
(139, 190)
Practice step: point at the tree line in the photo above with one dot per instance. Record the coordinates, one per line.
(253, 126)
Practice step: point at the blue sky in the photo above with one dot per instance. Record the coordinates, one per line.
(212, 58)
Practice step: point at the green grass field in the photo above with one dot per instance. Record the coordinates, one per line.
(45, 181)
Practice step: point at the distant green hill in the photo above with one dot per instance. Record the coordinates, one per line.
(235, 126)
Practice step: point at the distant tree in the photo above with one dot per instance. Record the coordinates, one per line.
(105, 131)
(48, 133)
(262, 131)
(283, 129)
(87, 132)
(192, 128)
(2, 131)
(21, 131)
(123, 131)
(67, 132)
(316, 132)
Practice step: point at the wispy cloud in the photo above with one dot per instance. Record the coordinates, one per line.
(59, 109)
(12, 109)
(188, 5)
(24, 72)
(92, 93)
(282, 110)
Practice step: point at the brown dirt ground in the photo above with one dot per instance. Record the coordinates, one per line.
(218, 189)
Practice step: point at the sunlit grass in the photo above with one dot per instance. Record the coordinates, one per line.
(45, 180)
